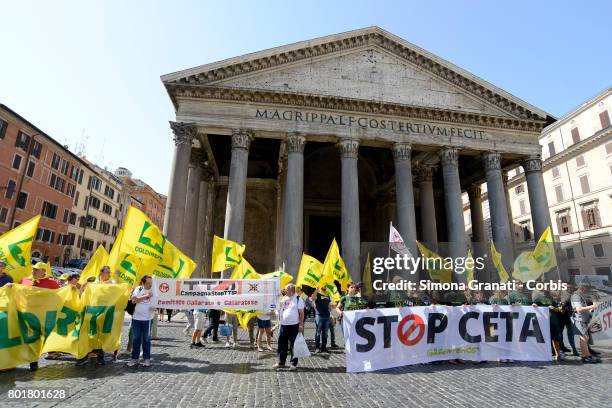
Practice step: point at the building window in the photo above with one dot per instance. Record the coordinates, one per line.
(94, 202)
(570, 253)
(551, 149)
(522, 207)
(590, 216)
(580, 161)
(575, 135)
(16, 162)
(598, 250)
(604, 118)
(22, 141)
(81, 178)
(3, 126)
(65, 167)
(36, 149)
(31, 168)
(519, 189)
(555, 172)
(49, 210)
(55, 162)
(603, 271)
(92, 222)
(72, 218)
(564, 225)
(559, 193)
(584, 184)
(70, 190)
(526, 231)
(22, 200)
(3, 215)
(66, 215)
(10, 189)
(76, 199)
(109, 192)
(94, 183)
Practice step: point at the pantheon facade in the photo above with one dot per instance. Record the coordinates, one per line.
(285, 149)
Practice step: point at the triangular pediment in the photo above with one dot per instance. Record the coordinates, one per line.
(368, 64)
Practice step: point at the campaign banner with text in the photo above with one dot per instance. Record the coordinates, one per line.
(236, 294)
(601, 321)
(384, 338)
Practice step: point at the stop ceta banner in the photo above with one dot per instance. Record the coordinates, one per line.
(385, 338)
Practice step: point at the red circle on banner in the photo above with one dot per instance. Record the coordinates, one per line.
(404, 336)
(164, 287)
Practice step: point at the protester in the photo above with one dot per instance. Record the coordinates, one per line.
(498, 298)
(291, 321)
(169, 313)
(565, 320)
(333, 319)
(214, 315)
(581, 318)
(141, 320)
(232, 319)
(264, 325)
(351, 301)
(322, 300)
(63, 280)
(4, 277)
(545, 299)
(199, 316)
(519, 297)
(190, 321)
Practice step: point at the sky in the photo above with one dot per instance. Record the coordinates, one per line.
(88, 72)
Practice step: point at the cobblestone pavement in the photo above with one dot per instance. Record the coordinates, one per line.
(242, 377)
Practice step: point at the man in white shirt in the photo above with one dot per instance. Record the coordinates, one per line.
(291, 321)
(142, 296)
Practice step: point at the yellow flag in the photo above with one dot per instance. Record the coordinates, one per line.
(497, 261)
(226, 254)
(16, 247)
(284, 277)
(334, 267)
(175, 265)
(96, 262)
(244, 270)
(332, 289)
(530, 265)
(366, 279)
(469, 271)
(310, 272)
(435, 265)
(113, 257)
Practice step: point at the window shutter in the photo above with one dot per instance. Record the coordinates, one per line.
(604, 118)
(559, 226)
(585, 223)
(597, 216)
(584, 184)
(575, 135)
(569, 222)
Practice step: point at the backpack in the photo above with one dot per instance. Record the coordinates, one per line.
(131, 306)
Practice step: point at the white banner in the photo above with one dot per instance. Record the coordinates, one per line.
(384, 338)
(237, 294)
(601, 322)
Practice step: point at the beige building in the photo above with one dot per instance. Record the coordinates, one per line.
(577, 170)
(97, 212)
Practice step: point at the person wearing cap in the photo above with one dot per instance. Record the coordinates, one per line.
(41, 277)
(4, 277)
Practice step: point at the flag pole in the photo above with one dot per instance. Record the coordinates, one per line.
(389, 250)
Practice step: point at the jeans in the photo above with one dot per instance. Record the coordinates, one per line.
(286, 337)
(213, 327)
(141, 336)
(332, 332)
(322, 323)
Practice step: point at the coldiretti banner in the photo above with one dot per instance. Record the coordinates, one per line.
(385, 338)
(236, 294)
(37, 320)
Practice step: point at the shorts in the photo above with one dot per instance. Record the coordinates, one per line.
(200, 321)
(580, 328)
(264, 324)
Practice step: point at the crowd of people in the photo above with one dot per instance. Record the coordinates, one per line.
(570, 313)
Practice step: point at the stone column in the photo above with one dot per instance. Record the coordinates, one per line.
(351, 240)
(449, 157)
(293, 225)
(236, 189)
(478, 226)
(500, 227)
(177, 191)
(509, 207)
(190, 226)
(201, 226)
(540, 215)
(428, 207)
(208, 232)
(406, 219)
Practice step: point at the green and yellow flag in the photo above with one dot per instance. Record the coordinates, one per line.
(435, 265)
(533, 264)
(366, 279)
(226, 254)
(497, 261)
(16, 247)
(334, 267)
(96, 262)
(244, 270)
(310, 272)
(284, 277)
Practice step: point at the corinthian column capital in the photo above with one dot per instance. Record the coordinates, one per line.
(449, 155)
(183, 132)
(474, 191)
(295, 142)
(348, 148)
(491, 160)
(532, 163)
(402, 151)
(241, 139)
(424, 173)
